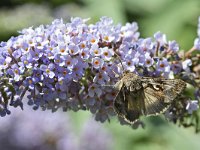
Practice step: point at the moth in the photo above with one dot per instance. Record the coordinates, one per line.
(144, 96)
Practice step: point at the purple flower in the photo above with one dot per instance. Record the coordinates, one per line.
(176, 67)
(197, 93)
(101, 78)
(93, 39)
(79, 69)
(73, 49)
(48, 70)
(129, 64)
(148, 60)
(36, 54)
(16, 71)
(186, 65)
(197, 43)
(4, 62)
(94, 89)
(85, 53)
(197, 40)
(95, 50)
(61, 49)
(97, 62)
(59, 60)
(60, 135)
(163, 65)
(173, 46)
(26, 61)
(161, 38)
(69, 61)
(129, 32)
(107, 53)
(30, 82)
(192, 106)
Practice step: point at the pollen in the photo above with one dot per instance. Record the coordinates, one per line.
(92, 88)
(72, 51)
(47, 71)
(92, 40)
(106, 38)
(16, 71)
(62, 50)
(30, 81)
(148, 61)
(61, 82)
(162, 65)
(49, 54)
(103, 68)
(75, 69)
(25, 62)
(83, 54)
(38, 74)
(100, 76)
(106, 53)
(64, 72)
(96, 62)
(57, 61)
(68, 62)
(129, 63)
(82, 45)
(96, 51)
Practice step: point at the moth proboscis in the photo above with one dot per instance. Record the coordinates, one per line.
(145, 96)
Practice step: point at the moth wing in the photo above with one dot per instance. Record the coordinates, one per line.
(129, 105)
(160, 93)
(172, 88)
(119, 103)
(154, 102)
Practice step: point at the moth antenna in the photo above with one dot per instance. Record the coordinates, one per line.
(107, 85)
(120, 61)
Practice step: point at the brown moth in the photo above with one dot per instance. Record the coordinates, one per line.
(145, 96)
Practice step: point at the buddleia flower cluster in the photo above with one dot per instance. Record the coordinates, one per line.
(73, 66)
(51, 132)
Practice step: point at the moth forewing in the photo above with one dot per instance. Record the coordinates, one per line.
(145, 96)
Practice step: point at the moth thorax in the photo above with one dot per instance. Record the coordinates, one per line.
(133, 85)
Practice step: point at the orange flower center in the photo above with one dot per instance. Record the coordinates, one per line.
(129, 63)
(82, 45)
(92, 40)
(162, 65)
(64, 72)
(96, 62)
(96, 51)
(72, 51)
(148, 61)
(106, 53)
(100, 76)
(83, 54)
(62, 50)
(68, 63)
(106, 38)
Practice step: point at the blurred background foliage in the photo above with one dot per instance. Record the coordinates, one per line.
(176, 18)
